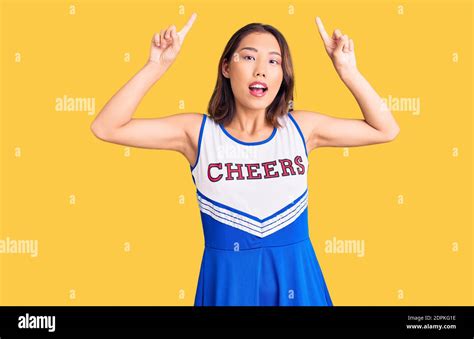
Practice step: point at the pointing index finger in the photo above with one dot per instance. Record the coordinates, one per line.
(322, 31)
(188, 25)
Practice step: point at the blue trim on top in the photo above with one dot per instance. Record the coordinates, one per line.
(199, 142)
(205, 206)
(249, 215)
(249, 143)
(299, 131)
(278, 221)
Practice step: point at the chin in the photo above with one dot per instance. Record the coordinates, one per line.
(257, 107)
(258, 103)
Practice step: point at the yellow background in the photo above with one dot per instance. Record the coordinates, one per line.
(136, 195)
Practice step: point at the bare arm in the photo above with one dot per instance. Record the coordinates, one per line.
(376, 113)
(119, 109)
(114, 122)
(378, 125)
(322, 130)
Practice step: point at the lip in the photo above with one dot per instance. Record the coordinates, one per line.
(259, 83)
(258, 95)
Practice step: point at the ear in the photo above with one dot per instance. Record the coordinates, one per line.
(225, 69)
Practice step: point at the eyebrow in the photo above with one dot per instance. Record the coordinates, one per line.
(255, 50)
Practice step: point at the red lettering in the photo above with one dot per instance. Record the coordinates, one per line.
(298, 162)
(268, 166)
(286, 164)
(231, 170)
(254, 171)
(219, 177)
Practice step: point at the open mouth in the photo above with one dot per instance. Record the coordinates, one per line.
(258, 89)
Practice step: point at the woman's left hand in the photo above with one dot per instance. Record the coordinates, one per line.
(339, 48)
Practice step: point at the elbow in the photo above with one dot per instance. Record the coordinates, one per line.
(392, 135)
(98, 131)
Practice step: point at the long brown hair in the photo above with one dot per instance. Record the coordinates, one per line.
(222, 104)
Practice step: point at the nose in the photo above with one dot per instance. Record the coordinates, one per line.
(260, 70)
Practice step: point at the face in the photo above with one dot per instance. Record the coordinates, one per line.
(256, 59)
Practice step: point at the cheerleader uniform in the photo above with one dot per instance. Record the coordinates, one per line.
(253, 201)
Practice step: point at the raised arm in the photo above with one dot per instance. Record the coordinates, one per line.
(378, 125)
(114, 122)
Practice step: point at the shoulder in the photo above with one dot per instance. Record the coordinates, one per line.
(194, 118)
(305, 117)
(307, 122)
(191, 119)
(192, 123)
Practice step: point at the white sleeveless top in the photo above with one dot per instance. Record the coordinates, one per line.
(261, 183)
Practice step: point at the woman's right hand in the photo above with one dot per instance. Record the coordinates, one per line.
(166, 45)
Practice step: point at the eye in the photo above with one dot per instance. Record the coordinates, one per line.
(248, 56)
(276, 62)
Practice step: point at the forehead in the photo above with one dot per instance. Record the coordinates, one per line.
(263, 42)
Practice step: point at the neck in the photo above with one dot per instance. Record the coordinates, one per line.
(249, 121)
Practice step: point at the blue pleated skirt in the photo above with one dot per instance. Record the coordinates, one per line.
(287, 275)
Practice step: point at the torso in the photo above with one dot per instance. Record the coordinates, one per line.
(257, 177)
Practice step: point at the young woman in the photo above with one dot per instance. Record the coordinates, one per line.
(249, 160)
